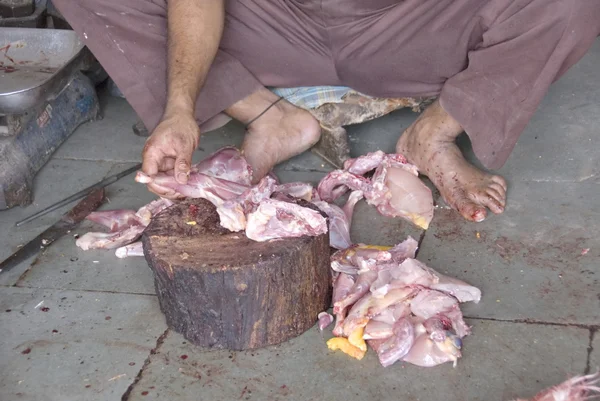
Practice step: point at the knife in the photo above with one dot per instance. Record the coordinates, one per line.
(67, 222)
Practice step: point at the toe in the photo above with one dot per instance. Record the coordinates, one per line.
(486, 199)
(499, 189)
(500, 181)
(469, 209)
(493, 204)
(497, 195)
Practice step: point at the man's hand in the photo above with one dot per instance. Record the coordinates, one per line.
(194, 32)
(169, 149)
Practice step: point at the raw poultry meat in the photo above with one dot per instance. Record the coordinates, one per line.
(403, 309)
(135, 249)
(244, 207)
(325, 319)
(579, 388)
(395, 188)
(265, 211)
(340, 219)
(278, 219)
(125, 226)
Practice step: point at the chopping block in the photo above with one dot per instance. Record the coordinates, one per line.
(220, 289)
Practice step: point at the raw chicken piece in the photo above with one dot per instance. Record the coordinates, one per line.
(97, 240)
(234, 211)
(363, 164)
(401, 298)
(410, 272)
(360, 288)
(381, 285)
(339, 233)
(325, 319)
(428, 303)
(337, 183)
(340, 220)
(115, 220)
(226, 163)
(378, 330)
(457, 288)
(126, 234)
(277, 219)
(579, 388)
(359, 258)
(392, 314)
(146, 212)
(395, 188)
(414, 272)
(368, 307)
(398, 345)
(405, 249)
(391, 298)
(199, 185)
(223, 175)
(409, 198)
(135, 249)
(298, 190)
(427, 353)
(438, 327)
(342, 285)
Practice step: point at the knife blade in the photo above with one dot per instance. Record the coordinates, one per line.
(67, 222)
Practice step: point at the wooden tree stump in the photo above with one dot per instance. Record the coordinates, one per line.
(221, 289)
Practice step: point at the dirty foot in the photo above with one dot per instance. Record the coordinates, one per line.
(282, 132)
(429, 143)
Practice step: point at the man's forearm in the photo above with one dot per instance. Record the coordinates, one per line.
(194, 32)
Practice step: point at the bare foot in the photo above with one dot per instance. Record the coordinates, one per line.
(282, 132)
(429, 143)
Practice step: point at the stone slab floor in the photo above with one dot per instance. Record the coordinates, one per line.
(86, 326)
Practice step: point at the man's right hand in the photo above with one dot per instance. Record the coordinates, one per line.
(169, 150)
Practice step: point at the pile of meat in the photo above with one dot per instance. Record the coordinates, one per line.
(394, 188)
(264, 211)
(403, 309)
(268, 210)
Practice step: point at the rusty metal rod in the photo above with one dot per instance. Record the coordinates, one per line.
(104, 183)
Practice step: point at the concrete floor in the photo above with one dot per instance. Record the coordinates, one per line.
(99, 334)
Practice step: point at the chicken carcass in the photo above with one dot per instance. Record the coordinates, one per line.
(395, 188)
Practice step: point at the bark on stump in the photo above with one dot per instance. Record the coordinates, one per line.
(221, 289)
